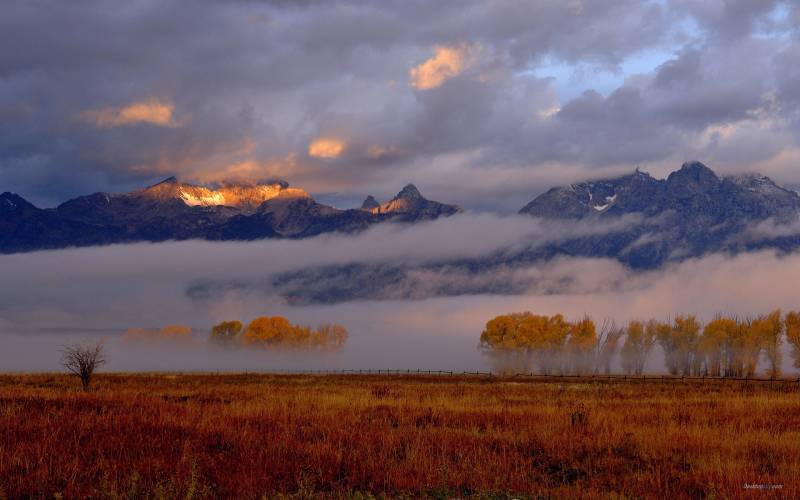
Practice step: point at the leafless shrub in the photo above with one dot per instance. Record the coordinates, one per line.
(82, 360)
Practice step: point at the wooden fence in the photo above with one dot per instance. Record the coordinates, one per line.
(557, 378)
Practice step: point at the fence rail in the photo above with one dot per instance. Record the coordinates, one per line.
(551, 377)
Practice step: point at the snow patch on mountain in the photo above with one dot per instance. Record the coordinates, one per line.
(213, 198)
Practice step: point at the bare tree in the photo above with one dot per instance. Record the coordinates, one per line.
(606, 346)
(82, 360)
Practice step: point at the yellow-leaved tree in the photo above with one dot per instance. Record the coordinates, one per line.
(268, 332)
(581, 346)
(633, 346)
(769, 330)
(226, 333)
(714, 342)
(792, 325)
(680, 344)
(502, 342)
(329, 337)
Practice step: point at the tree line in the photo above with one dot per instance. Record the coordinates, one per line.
(267, 332)
(727, 346)
(278, 333)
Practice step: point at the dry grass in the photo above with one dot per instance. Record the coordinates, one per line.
(253, 436)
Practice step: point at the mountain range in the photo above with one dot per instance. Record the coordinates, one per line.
(641, 221)
(693, 212)
(174, 210)
(636, 219)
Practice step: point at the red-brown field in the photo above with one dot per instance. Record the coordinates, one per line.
(254, 436)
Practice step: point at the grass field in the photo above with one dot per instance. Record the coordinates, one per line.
(254, 436)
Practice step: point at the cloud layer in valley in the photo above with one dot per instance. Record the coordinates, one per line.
(481, 104)
(52, 297)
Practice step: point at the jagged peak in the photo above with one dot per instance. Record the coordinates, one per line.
(694, 171)
(696, 166)
(169, 180)
(13, 201)
(409, 192)
(244, 195)
(636, 175)
(370, 203)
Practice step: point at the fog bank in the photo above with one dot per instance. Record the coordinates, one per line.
(50, 298)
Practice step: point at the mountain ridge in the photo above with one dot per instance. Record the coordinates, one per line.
(175, 210)
(652, 223)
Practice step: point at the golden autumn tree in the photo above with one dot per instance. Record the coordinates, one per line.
(714, 344)
(546, 337)
(501, 341)
(268, 332)
(770, 334)
(277, 333)
(226, 332)
(640, 338)
(581, 345)
(792, 326)
(521, 341)
(742, 343)
(176, 332)
(736, 348)
(680, 344)
(329, 337)
(633, 346)
(749, 338)
(171, 333)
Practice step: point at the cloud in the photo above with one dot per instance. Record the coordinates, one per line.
(153, 112)
(52, 297)
(771, 229)
(326, 148)
(521, 95)
(446, 63)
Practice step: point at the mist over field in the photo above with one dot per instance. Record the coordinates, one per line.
(53, 297)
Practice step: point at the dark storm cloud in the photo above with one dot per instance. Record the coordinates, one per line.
(452, 95)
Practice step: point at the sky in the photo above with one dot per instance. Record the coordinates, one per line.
(480, 103)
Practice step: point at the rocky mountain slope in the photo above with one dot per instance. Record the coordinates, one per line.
(635, 219)
(173, 210)
(691, 213)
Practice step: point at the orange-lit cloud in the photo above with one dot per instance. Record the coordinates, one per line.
(445, 64)
(151, 111)
(326, 148)
(549, 112)
(377, 152)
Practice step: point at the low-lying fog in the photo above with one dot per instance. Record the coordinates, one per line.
(53, 297)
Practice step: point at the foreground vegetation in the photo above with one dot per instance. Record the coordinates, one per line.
(253, 436)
